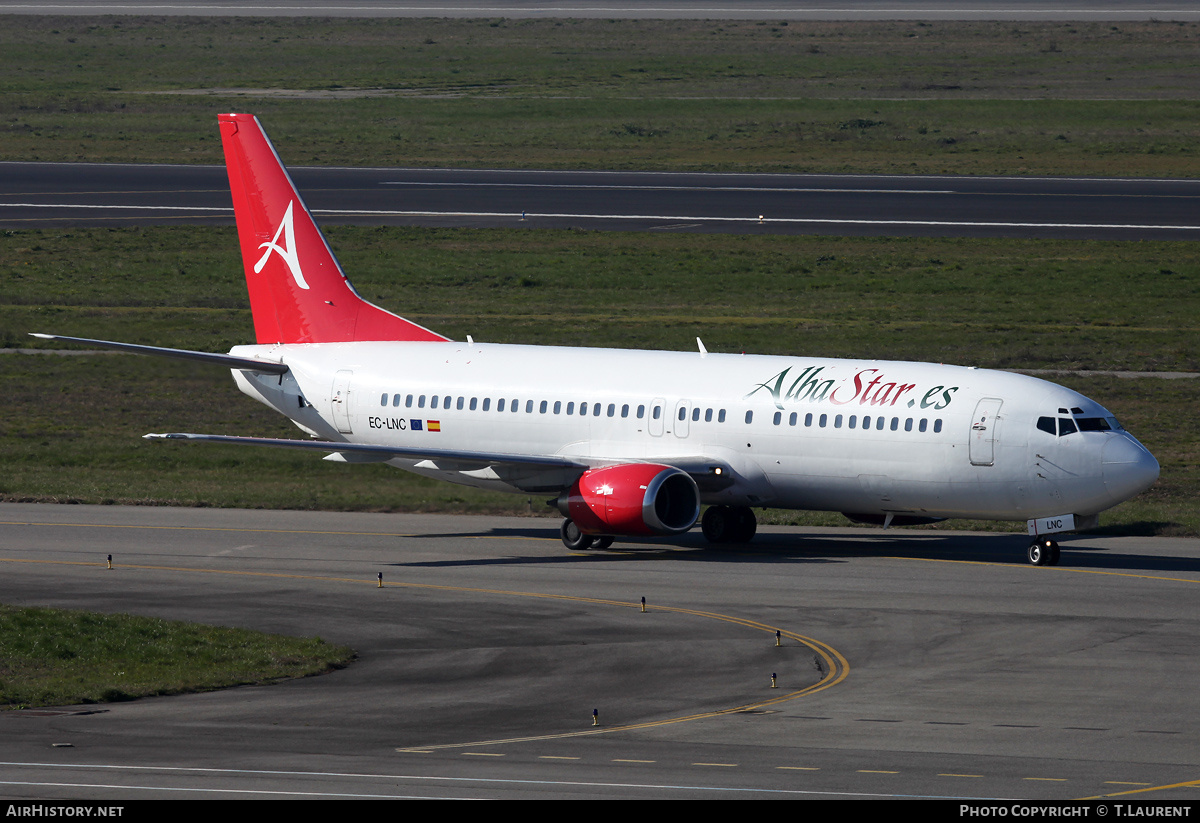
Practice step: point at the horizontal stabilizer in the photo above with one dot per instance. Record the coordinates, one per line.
(227, 360)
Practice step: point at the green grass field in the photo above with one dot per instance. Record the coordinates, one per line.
(53, 657)
(946, 97)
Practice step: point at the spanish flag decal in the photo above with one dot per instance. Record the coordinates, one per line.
(435, 425)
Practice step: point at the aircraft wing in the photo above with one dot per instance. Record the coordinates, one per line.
(227, 360)
(450, 459)
(524, 470)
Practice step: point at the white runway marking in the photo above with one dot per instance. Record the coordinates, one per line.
(307, 777)
(827, 221)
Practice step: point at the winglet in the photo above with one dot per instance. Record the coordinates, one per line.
(298, 292)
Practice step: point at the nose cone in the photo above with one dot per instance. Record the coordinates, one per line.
(1129, 468)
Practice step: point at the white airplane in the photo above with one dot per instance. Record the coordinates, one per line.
(633, 443)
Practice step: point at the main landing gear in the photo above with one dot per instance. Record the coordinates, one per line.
(577, 541)
(729, 524)
(1043, 552)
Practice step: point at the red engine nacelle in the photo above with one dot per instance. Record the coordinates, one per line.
(632, 499)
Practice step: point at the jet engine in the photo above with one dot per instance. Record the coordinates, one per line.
(632, 499)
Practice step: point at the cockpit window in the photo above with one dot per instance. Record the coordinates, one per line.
(1062, 426)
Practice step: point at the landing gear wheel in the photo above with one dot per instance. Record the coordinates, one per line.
(573, 538)
(716, 524)
(602, 542)
(746, 526)
(1043, 552)
(728, 524)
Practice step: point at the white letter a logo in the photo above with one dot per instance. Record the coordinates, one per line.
(289, 253)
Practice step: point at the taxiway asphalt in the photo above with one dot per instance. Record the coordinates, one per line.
(913, 663)
(1173, 10)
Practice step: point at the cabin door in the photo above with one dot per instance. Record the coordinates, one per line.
(985, 431)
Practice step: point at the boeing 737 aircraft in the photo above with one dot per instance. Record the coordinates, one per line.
(633, 443)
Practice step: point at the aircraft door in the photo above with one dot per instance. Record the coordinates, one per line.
(340, 401)
(985, 431)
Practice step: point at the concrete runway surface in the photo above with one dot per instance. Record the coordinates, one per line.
(913, 663)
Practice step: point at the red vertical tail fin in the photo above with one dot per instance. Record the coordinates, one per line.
(298, 293)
